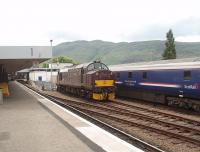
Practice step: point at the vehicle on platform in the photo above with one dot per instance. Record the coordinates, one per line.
(91, 80)
(171, 82)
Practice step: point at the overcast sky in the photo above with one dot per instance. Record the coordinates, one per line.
(35, 22)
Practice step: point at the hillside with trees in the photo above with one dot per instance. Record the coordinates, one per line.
(123, 52)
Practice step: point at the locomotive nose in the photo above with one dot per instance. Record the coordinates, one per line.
(103, 79)
(103, 75)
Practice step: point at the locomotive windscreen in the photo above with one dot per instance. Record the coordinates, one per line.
(97, 65)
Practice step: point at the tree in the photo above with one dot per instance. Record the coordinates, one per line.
(58, 59)
(170, 50)
(45, 65)
(62, 59)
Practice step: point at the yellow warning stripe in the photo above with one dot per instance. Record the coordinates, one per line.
(101, 96)
(104, 83)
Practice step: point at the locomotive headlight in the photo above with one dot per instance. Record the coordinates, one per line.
(97, 73)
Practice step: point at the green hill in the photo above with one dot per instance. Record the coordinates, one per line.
(123, 52)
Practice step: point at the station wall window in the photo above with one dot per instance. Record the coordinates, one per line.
(130, 75)
(40, 78)
(144, 75)
(187, 75)
(118, 75)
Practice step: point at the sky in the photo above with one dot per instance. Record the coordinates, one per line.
(36, 22)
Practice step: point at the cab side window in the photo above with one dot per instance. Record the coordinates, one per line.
(90, 67)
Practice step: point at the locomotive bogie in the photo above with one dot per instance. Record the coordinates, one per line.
(103, 96)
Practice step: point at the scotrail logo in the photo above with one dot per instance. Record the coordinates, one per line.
(192, 86)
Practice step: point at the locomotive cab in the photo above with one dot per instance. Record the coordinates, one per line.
(96, 65)
(101, 81)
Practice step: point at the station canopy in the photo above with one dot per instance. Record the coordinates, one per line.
(15, 58)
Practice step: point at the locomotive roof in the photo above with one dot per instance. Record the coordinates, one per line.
(188, 63)
(64, 70)
(84, 65)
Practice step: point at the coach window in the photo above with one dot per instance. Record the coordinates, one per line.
(187, 75)
(118, 75)
(130, 75)
(144, 75)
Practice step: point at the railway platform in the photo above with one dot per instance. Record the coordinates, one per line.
(30, 122)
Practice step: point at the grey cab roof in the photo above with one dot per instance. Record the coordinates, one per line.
(187, 63)
(84, 65)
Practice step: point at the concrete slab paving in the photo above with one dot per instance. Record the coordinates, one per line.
(25, 126)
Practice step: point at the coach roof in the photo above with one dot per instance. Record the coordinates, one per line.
(189, 63)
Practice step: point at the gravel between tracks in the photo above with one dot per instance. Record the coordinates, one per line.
(171, 110)
(165, 143)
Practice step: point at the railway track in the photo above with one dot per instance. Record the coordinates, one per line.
(162, 114)
(158, 116)
(131, 118)
(118, 114)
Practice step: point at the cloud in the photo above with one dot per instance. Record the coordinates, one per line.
(64, 35)
(189, 27)
(152, 32)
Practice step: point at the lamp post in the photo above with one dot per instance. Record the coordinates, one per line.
(51, 41)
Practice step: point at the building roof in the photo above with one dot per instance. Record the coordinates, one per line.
(15, 58)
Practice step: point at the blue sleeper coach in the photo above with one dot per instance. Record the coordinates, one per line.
(172, 83)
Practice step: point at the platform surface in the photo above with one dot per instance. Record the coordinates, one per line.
(25, 126)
